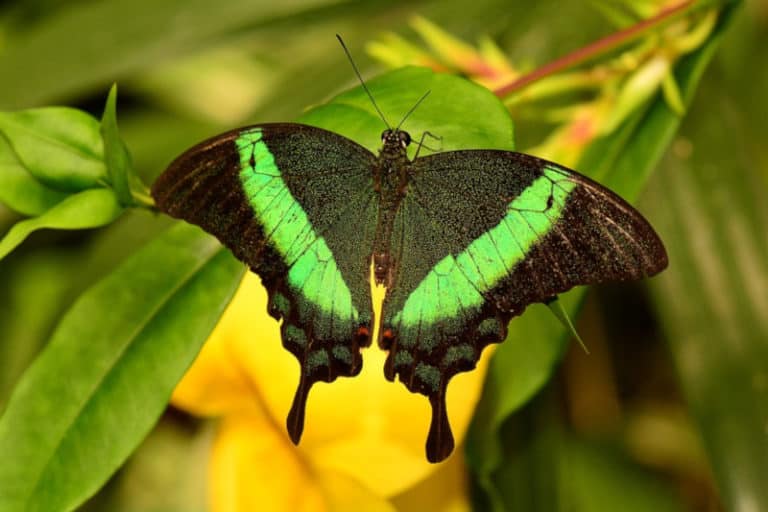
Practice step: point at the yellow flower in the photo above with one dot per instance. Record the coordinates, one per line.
(363, 443)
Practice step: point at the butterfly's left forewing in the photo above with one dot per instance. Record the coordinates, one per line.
(295, 203)
(480, 235)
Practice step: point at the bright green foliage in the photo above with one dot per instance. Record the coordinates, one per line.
(116, 155)
(61, 167)
(59, 146)
(87, 209)
(72, 436)
(19, 190)
(713, 303)
(458, 111)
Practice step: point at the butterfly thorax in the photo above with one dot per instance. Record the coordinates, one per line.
(390, 176)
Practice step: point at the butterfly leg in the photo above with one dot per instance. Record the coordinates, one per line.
(422, 145)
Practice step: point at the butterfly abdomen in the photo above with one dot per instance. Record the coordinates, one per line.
(390, 175)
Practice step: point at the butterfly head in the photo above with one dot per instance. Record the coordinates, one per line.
(395, 138)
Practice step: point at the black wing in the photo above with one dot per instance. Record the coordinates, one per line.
(295, 203)
(478, 237)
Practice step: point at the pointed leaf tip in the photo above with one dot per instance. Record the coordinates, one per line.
(557, 309)
(116, 156)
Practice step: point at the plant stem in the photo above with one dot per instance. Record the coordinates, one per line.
(598, 47)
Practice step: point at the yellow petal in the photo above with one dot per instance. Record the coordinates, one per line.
(215, 384)
(445, 489)
(254, 468)
(345, 494)
(257, 349)
(364, 428)
(385, 422)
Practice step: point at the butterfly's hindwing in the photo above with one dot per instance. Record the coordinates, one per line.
(479, 236)
(295, 203)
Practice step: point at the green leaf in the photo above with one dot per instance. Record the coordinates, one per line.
(709, 205)
(116, 155)
(672, 94)
(464, 114)
(60, 146)
(168, 472)
(561, 314)
(713, 303)
(596, 477)
(623, 161)
(109, 370)
(19, 191)
(547, 468)
(36, 291)
(87, 209)
(519, 368)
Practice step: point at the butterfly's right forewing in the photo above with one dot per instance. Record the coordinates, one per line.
(295, 203)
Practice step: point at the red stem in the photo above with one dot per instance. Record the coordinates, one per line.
(599, 46)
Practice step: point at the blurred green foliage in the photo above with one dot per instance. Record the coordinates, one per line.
(595, 433)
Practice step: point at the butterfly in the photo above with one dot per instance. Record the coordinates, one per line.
(462, 240)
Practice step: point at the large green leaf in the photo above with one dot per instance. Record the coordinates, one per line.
(464, 114)
(623, 162)
(109, 369)
(35, 290)
(709, 204)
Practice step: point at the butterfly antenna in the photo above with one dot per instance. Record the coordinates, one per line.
(412, 109)
(360, 77)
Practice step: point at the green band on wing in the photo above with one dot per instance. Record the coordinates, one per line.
(458, 282)
(313, 269)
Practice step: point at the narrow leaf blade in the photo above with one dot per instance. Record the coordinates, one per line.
(116, 155)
